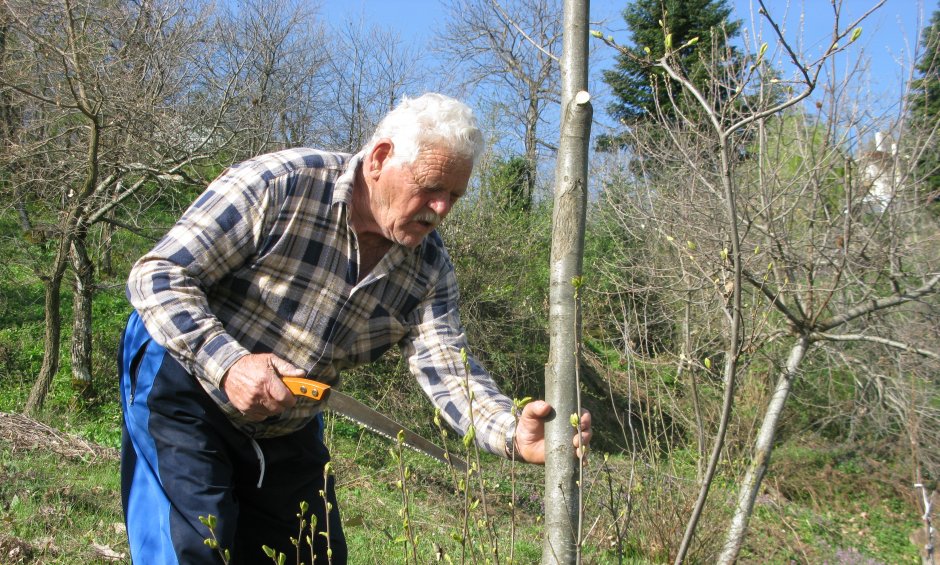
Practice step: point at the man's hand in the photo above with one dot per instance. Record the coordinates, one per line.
(530, 432)
(253, 385)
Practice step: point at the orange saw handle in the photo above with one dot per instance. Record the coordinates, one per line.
(309, 388)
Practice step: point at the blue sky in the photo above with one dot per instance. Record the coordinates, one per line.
(888, 37)
(888, 40)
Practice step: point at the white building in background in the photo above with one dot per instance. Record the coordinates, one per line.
(881, 173)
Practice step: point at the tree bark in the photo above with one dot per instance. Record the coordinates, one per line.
(562, 496)
(81, 317)
(762, 449)
(69, 227)
(53, 335)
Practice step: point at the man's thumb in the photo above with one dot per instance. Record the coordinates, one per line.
(286, 368)
(538, 409)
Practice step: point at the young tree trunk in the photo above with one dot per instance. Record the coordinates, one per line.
(107, 233)
(761, 459)
(70, 229)
(53, 336)
(732, 346)
(531, 151)
(25, 224)
(562, 495)
(81, 317)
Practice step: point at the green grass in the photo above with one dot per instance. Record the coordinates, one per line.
(827, 503)
(60, 507)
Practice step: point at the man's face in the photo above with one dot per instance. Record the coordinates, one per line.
(409, 201)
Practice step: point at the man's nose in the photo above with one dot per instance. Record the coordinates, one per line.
(441, 206)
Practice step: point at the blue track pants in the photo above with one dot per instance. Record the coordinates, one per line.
(182, 459)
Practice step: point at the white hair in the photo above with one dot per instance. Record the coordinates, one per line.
(431, 119)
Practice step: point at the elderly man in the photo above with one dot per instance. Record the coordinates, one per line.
(295, 263)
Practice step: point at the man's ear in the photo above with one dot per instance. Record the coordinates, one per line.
(379, 156)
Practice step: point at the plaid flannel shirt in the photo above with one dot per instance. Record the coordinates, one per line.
(265, 260)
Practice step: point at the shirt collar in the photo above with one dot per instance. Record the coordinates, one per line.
(343, 188)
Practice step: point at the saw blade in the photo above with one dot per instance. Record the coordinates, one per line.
(369, 418)
(384, 426)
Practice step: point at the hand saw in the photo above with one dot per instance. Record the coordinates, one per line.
(369, 417)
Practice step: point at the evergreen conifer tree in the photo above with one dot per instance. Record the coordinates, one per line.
(924, 101)
(632, 80)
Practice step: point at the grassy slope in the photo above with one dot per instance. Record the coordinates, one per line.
(57, 509)
(821, 505)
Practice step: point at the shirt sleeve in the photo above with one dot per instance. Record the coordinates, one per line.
(167, 286)
(455, 381)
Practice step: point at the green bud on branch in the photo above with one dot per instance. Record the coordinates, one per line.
(519, 404)
(471, 435)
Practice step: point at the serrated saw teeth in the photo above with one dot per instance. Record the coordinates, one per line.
(370, 419)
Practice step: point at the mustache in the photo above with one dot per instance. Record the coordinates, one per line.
(428, 216)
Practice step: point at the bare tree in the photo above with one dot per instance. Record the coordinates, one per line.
(562, 485)
(279, 52)
(508, 51)
(801, 245)
(114, 100)
(370, 69)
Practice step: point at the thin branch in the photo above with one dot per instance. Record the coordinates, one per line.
(518, 28)
(774, 297)
(876, 339)
(871, 306)
(134, 229)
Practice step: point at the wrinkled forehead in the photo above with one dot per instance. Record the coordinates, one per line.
(442, 160)
(441, 147)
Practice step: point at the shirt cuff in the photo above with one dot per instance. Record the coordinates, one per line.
(217, 357)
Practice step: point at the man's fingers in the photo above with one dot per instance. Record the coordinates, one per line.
(276, 387)
(585, 419)
(583, 436)
(277, 391)
(254, 385)
(281, 394)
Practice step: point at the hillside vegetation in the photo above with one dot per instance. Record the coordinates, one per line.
(828, 497)
(759, 300)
